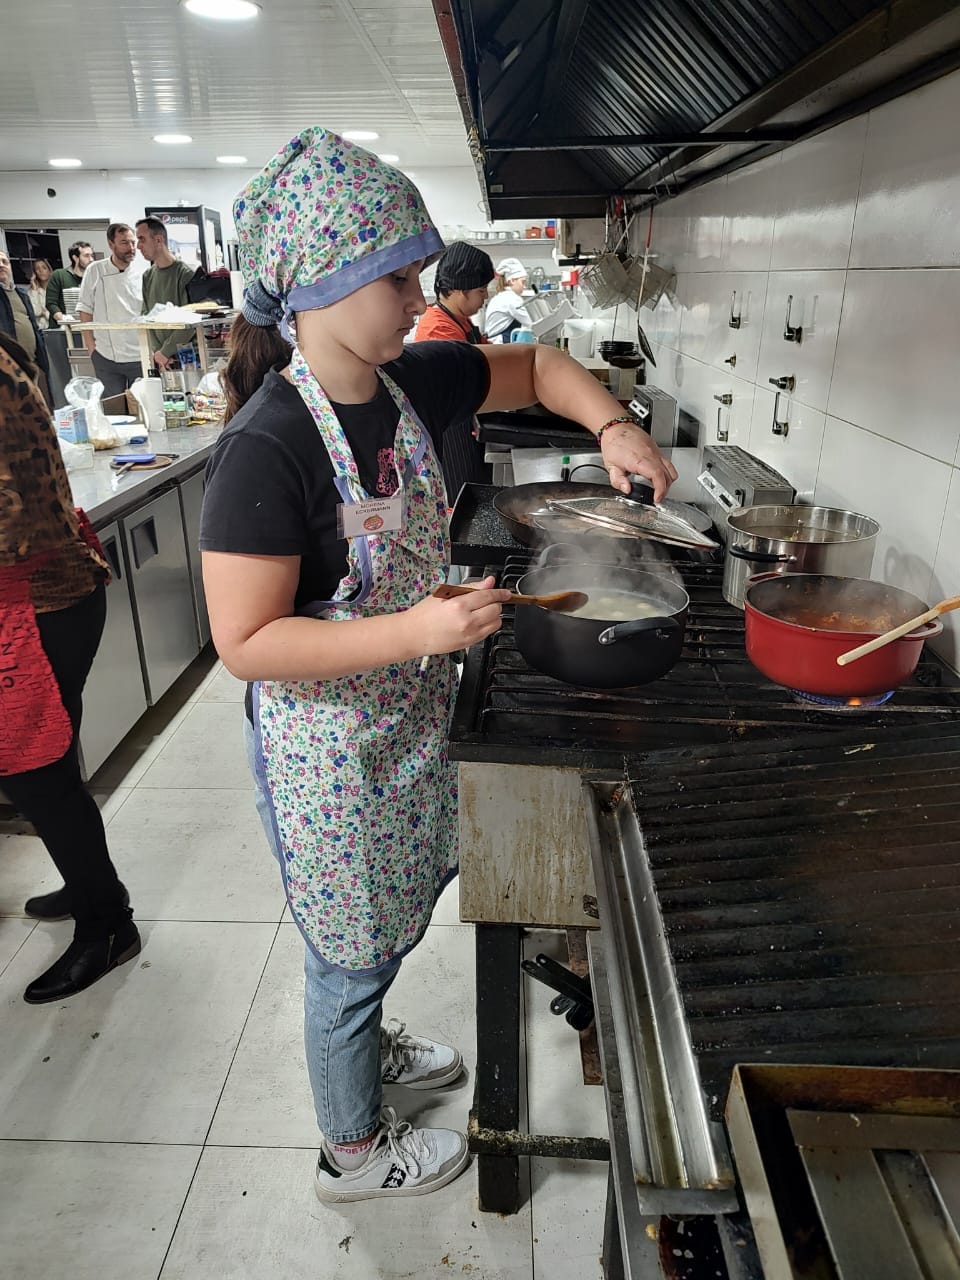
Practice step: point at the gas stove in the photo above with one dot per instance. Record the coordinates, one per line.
(723, 835)
(508, 713)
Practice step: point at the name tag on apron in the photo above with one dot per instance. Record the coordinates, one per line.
(372, 515)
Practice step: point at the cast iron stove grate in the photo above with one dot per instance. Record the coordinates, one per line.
(508, 713)
(810, 898)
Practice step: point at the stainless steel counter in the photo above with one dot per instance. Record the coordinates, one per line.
(105, 495)
(149, 526)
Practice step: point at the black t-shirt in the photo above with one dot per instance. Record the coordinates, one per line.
(270, 487)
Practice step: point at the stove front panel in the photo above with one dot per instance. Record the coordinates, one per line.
(523, 846)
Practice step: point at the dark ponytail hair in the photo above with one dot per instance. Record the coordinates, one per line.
(254, 351)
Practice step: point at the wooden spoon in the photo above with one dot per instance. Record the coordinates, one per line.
(558, 601)
(945, 606)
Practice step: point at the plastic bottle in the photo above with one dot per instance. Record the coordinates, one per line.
(174, 399)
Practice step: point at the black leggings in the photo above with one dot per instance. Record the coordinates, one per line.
(54, 797)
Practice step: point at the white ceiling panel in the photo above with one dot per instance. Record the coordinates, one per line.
(97, 81)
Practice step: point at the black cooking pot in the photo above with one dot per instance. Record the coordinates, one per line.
(596, 653)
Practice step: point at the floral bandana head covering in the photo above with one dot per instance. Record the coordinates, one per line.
(320, 221)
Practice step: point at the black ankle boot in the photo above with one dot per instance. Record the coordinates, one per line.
(50, 906)
(85, 961)
(56, 905)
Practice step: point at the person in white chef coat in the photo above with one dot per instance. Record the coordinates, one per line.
(505, 310)
(110, 294)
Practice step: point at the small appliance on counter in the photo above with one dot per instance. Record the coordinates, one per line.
(657, 413)
(731, 479)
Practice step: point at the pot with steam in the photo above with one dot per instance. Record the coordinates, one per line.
(628, 633)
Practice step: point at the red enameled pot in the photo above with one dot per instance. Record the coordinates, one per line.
(797, 625)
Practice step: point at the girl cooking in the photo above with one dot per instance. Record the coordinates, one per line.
(324, 532)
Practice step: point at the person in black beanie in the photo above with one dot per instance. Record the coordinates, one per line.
(461, 280)
(462, 277)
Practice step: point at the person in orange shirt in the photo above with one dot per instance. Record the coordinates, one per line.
(463, 274)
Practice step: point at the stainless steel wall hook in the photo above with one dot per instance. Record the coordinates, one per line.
(791, 333)
(779, 428)
(736, 317)
(723, 432)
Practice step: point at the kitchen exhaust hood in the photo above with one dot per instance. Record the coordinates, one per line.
(569, 103)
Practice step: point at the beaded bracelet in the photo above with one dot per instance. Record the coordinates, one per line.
(624, 418)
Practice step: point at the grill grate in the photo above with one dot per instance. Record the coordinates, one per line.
(508, 713)
(810, 898)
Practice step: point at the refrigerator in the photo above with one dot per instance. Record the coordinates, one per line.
(194, 234)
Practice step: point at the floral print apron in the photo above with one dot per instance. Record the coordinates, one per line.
(363, 796)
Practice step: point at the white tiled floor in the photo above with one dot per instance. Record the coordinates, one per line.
(160, 1124)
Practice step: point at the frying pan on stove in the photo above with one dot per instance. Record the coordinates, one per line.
(523, 509)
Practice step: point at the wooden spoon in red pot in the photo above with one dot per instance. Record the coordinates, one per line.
(888, 637)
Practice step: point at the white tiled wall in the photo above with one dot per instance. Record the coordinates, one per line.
(859, 227)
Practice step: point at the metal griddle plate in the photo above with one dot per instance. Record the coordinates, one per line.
(638, 519)
(850, 1172)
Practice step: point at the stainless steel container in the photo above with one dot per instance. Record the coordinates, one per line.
(657, 413)
(732, 479)
(796, 539)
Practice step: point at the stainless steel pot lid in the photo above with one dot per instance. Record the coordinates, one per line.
(556, 523)
(623, 516)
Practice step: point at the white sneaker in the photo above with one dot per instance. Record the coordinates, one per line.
(403, 1162)
(414, 1061)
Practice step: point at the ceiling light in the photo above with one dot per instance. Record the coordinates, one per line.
(172, 139)
(387, 157)
(224, 10)
(360, 135)
(65, 162)
(231, 159)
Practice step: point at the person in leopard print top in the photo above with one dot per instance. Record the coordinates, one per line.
(37, 514)
(52, 613)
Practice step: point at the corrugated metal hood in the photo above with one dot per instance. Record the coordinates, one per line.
(570, 102)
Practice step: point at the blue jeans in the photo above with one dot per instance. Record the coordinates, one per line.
(341, 1023)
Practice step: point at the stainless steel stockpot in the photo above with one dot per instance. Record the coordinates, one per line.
(796, 539)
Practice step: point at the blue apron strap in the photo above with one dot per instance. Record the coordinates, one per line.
(416, 458)
(261, 775)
